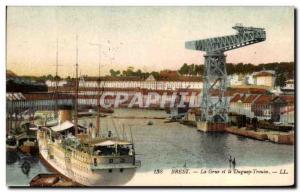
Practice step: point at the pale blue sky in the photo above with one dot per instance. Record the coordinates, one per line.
(149, 38)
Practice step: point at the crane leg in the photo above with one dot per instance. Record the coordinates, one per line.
(214, 105)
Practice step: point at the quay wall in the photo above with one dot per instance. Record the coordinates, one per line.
(276, 137)
(280, 138)
(247, 133)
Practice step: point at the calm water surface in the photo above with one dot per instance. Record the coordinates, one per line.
(172, 145)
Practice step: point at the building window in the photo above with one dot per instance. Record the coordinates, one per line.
(110, 170)
(121, 170)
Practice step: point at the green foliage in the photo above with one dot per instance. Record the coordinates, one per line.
(191, 69)
(241, 68)
(69, 79)
(184, 69)
(281, 79)
(131, 72)
(43, 78)
(57, 78)
(155, 74)
(114, 73)
(283, 70)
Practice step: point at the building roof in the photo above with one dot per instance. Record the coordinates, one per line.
(10, 74)
(63, 126)
(111, 78)
(290, 99)
(231, 91)
(250, 98)
(247, 90)
(15, 96)
(235, 98)
(290, 81)
(264, 73)
(169, 73)
(135, 78)
(45, 96)
(263, 99)
(181, 78)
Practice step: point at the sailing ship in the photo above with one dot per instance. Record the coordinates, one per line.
(82, 154)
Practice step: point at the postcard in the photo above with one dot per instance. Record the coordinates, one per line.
(125, 96)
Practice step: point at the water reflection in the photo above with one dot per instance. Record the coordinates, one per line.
(11, 157)
(215, 149)
(25, 167)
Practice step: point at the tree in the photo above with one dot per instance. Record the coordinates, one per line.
(199, 69)
(184, 70)
(57, 78)
(128, 72)
(50, 77)
(155, 74)
(114, 73)
(281, 79)
(68, 79)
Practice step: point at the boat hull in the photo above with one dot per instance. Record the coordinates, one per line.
(84, 176)
(99, 178)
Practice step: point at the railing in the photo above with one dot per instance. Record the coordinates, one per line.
(137, 164)
(19, 105)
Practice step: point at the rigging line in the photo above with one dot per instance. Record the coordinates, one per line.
(55, 95)
(76, 89)
(106, 125)
(116, 129)
(123, 131)
(98, 87)
(131, 133)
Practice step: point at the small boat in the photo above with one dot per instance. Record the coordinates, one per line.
(90, 113)
(29, 147)
(150, 122)
(44, 180)
(50, 180)
(11, 156)
(170, 120)
(11, 143)
(93, 109)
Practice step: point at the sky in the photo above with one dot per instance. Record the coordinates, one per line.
(146, 38)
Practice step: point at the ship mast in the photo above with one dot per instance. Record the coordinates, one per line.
(98, 92)
(76, 90)
(98, 98)
(56, 80)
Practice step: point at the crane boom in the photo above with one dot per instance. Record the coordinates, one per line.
(245, 36)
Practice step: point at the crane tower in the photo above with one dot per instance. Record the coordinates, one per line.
(215, 109)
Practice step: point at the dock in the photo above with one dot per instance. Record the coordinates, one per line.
(272, 136)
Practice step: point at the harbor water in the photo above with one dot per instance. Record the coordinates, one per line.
(161, 145)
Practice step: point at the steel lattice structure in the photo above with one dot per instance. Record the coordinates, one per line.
(215, 109)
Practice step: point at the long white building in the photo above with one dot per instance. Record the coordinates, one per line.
(162, 83)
